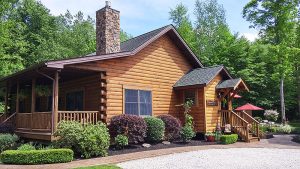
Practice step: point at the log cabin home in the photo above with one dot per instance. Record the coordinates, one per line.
(148, 75)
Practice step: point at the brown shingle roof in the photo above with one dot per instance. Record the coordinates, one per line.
(200, 76)
(128, 48)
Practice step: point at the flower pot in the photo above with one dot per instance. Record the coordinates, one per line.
(210, 138)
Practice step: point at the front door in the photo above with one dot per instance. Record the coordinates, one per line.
(224, 103)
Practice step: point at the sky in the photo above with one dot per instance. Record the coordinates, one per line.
(140, 16)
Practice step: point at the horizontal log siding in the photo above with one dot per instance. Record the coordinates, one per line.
(91, 89)
(197, 111)
(157, 67)
(212, 116)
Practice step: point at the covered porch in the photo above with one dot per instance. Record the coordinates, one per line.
(37, 99)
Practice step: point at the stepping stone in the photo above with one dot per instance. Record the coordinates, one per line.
(166, 142)
(146, 145)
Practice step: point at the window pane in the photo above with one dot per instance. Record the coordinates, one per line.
(189, 95)
(131, 102)
(131, 108)
(145, 103)
(74, 101)
(131, 96)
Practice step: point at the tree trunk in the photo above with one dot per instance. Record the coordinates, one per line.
(298, 87)
(283, 119)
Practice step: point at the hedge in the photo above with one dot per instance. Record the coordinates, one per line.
(36, 156)
(229, 139)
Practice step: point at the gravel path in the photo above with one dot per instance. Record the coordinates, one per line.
(234, 158)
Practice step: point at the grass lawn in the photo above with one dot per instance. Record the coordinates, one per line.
(295, 127)
(100, 167)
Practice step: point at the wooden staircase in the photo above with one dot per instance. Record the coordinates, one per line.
(241, 123)
(7, 122)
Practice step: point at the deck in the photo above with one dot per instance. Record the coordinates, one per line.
(40, 125)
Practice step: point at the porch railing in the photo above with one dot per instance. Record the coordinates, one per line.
(238, 124)
(83, 117)
(37, 121)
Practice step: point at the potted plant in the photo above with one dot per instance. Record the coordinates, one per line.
(210, 137)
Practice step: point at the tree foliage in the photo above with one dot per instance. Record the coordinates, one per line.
(261, 63)
(30, 34)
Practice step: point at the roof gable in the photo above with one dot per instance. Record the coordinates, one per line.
(200, 76)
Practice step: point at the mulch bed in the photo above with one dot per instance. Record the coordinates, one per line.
(138, 147)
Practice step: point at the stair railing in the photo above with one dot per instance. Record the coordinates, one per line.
(254, 124)
(11, 119)
(240, 126)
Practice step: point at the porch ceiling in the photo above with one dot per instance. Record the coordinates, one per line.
(65, 74)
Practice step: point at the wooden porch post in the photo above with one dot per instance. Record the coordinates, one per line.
(17, 97)
(55, 99)
(32, 100)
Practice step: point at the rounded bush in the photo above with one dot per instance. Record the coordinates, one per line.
(36, 156)
(172, 127)
(121, 141)
(26, 147)
(134, 127)
(88, 141)
(155, 129)
(7, 141)
(229, 139)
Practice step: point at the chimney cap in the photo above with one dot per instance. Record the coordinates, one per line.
(107, 4)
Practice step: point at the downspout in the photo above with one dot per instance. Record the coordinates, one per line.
(53, 88)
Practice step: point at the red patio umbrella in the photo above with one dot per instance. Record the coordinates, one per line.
(236, 96)
(248, 106)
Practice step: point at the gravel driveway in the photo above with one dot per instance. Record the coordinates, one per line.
(234, 158)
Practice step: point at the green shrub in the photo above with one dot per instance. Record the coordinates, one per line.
(187, 133)
(172, 127)
(7, 141)
(36, 156)
(88, 141)
(155, 129)
(69, 132)
(229, 139)
(121, 141)
(26, 147)
(286, 129)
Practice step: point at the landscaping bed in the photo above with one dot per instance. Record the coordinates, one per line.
(138, 147)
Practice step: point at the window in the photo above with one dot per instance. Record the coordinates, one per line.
(190, 95)
(74, 101)
(138, 102)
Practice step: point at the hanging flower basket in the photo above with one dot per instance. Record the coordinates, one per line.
(23, 94)
(42, 90)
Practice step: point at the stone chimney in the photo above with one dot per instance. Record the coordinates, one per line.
(107, 30)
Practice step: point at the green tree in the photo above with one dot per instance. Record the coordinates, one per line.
(211, 29)
(124, 36)
(276, 21)
(12, 45)
(181, 21)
